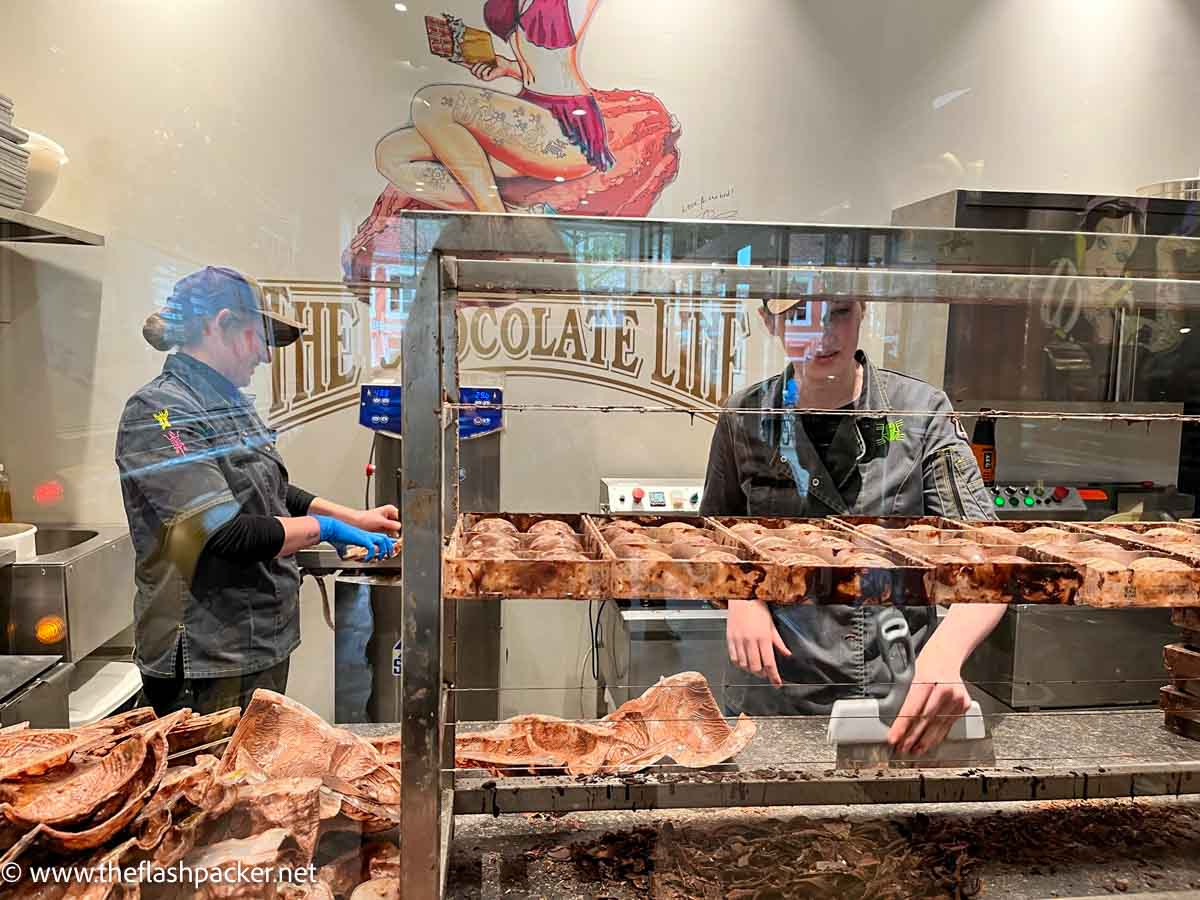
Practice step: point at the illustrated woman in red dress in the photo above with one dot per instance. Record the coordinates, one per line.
(477, 148)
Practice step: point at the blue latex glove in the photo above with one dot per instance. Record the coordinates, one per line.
(342, 536)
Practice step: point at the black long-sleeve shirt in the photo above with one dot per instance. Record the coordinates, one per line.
(249, 538)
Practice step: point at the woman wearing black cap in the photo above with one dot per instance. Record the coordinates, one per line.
(214, 521)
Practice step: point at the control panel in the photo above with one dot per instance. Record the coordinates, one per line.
(381, 406)
(651, 495)
(1038, 501)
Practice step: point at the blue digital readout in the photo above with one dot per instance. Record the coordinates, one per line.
(486, 414)
(380, 409)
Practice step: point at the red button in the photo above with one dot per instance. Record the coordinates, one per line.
(638, 494)
(1060, 494)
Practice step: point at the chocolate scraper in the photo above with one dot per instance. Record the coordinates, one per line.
(859, 727)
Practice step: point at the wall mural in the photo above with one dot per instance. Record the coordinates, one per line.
(527, 133)
(532, 136)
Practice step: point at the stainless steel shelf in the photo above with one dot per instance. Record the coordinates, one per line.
(475, 796)
(23, 227)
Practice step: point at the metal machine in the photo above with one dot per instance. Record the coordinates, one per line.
(652, 495)
(64, 600)
(1125, 468)
(367, 606)
(35, 689)
(65, 605)
(1069, 469)
(637, 642)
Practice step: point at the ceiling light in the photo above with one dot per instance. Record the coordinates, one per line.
(1185, 331)
(400, 7)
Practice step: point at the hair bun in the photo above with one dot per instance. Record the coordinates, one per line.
(155, 331)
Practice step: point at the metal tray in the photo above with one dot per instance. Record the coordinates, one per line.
(469, 578)
(902, 584)
(1127, 587)
(683, 579)
(1187, 620)
(1183, 666)
(1134, 533)
(1051, 573)
(1042, 578)
(1019, 529)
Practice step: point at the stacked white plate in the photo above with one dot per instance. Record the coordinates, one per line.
(14, 158)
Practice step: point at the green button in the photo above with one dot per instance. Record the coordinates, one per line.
(1029, 501)
(999, 501)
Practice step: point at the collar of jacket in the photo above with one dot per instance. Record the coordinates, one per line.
(214, 389)
(873, 396)
(854, 444)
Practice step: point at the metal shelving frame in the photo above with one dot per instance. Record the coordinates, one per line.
(524, 256)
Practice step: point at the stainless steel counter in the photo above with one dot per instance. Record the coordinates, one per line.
(79, 587)
(493, 855)
(1040, 756)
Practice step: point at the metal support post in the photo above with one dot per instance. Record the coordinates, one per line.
(421, 567)
(451, 478)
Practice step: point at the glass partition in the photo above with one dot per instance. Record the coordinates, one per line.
(656, 378)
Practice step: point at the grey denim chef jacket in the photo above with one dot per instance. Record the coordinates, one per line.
(886, 465)
(193, 453)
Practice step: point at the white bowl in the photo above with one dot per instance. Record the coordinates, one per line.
(46, 159)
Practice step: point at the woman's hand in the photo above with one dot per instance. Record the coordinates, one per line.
(753, 639)
(935, 701)
(343, 536)
(503, 67)
(385, 519)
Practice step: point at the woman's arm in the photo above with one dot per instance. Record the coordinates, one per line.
(298, 533)
(938, 696)
(249, 538)
(503, 68)
(385, 519)
(953, 487)
(582, 12)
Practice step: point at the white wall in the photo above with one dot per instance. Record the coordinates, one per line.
(243, 134)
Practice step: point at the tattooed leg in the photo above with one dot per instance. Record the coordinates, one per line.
(473, 131)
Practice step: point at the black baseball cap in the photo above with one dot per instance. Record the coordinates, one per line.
(214, 288)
